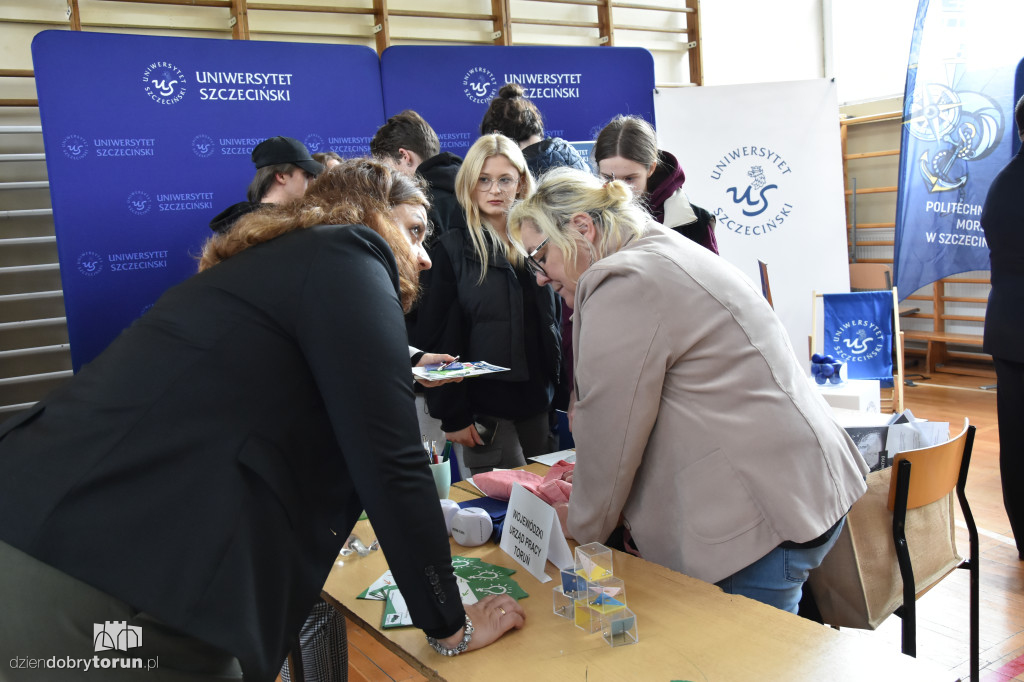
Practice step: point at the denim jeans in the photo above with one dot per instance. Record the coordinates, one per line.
(777, 578)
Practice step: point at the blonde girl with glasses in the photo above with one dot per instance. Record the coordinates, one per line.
(483, 303)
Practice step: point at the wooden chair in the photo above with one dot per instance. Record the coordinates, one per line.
(921, 477)
(876, 277)
(870, 276)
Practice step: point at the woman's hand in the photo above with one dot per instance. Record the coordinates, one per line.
(436, 359)
(492, 617)
(467, 437)
(562, 511)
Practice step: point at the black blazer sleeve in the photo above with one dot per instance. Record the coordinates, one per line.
(352, 333)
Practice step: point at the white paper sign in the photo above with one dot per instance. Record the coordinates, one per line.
(532, 534)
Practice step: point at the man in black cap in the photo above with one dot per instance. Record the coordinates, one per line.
(283, 169)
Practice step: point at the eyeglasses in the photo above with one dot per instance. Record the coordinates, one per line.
(505, 183)
(535, 267)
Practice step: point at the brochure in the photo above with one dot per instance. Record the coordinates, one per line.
(455, 370)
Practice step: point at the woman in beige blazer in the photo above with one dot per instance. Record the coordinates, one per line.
(696, 427)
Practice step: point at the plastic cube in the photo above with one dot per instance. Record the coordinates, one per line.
(562, 604)
(619, 628)
(594, 561)
(606, 596)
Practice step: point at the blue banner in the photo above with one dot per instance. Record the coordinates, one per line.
(859, 333)
(147, 138)
(957, 125)
(577, 89)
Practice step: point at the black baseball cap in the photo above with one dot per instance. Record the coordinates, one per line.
(277, 150)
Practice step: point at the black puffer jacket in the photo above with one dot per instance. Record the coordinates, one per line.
(445, 212)
(507, 320)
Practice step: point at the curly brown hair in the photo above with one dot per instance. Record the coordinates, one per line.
(357, 192)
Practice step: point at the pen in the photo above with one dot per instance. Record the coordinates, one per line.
(448, 364)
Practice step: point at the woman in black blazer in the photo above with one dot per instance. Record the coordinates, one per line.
(201, 475)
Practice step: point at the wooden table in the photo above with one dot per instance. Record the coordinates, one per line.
(688, 630)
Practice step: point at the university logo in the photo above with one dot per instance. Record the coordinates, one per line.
(314, 143)
(754, 200)
(858, 341)
(90, 263)
(116, 635)
(202, 146)
(75, 147)
(139, 203)
(164, 82)
(751, 182)
(479, 85)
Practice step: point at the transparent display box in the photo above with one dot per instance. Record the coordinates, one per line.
(573, 587)
(606, 596)
(619, 628)
(584, 617)
(594, 561)
(603, 598)
(562, 604)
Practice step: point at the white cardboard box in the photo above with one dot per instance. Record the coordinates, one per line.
(862, 395)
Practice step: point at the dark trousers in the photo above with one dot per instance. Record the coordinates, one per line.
(54, 627)
(514, 441)
(1010, 408)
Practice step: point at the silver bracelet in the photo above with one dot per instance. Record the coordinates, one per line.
(457, 649)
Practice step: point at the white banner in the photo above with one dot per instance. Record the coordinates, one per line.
(766, 160)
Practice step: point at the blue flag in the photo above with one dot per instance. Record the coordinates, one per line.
(859, 333)
(957, 113)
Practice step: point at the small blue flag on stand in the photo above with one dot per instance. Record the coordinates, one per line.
(858, 333)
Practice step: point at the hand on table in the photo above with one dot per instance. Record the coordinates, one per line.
(492, 617)
(467, 437)
(436, 359)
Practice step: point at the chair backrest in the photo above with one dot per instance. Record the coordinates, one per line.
(870, 277)
(935, 471)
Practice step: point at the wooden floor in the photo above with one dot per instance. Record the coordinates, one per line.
(942, 612)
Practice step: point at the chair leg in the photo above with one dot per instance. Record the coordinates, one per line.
(975, 561)
(908, 612)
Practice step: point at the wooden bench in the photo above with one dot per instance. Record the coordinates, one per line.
(938, 342)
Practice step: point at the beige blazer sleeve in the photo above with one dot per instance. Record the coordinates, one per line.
(620, 368)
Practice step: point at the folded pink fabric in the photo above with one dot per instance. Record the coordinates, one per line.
(551, 488)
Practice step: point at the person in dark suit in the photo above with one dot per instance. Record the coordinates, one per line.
(1002, 218)
(197, 480)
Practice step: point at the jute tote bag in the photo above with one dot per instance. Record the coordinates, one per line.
(858, 585)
